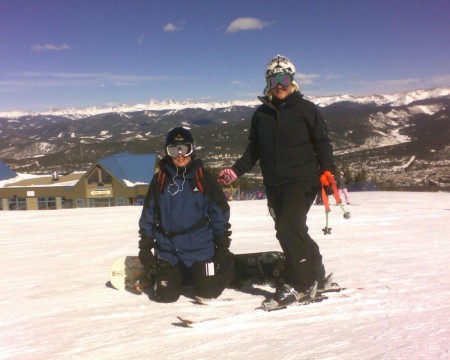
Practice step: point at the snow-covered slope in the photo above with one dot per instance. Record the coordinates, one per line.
(392, 256)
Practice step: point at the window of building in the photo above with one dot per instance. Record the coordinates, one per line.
(1, 204)
(99, 177)
(79, 203)
(47, 203)
(121, 201)
(17, 203)
(101, 202)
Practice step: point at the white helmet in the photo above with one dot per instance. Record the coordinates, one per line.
(280, 64)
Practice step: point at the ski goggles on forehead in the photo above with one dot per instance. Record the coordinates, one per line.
(180, 149)
(282, 79)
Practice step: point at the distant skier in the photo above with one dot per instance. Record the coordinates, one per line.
(185, 219)
(342, 186)
(289, 138)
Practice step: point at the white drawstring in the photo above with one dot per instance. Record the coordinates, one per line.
(175, 184)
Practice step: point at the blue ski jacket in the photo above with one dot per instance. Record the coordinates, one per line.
(185, 210)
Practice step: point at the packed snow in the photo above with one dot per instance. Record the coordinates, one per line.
(392, 257)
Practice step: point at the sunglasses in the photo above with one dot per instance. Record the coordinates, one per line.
(283, 79)
(180, 149)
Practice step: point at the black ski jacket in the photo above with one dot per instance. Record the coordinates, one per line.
(290, 140)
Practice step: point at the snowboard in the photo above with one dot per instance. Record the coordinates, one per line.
(259, 268)
(128, 274)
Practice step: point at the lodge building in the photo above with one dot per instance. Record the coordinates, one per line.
(117, 180)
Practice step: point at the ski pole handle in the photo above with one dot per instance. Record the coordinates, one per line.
(330, 179)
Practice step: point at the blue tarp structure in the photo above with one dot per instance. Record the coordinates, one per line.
(5, 172)
(134, 168)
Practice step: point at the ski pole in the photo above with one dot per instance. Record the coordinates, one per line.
(346, 213)
(332, 181)
(326, 230)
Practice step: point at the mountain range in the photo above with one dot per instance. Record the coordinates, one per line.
(396, 140)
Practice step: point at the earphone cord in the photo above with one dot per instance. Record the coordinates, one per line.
(175, 184)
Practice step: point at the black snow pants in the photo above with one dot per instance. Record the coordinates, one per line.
(289, 205)
(209, 278)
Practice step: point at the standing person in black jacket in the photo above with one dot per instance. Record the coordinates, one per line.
(289, 138)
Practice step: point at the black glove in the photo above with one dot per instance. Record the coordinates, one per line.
(223, 241)
(146, 256)
(223, 257)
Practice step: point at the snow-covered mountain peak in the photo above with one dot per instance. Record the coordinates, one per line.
(398, 99)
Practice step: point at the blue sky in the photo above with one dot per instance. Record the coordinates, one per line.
(75, 53)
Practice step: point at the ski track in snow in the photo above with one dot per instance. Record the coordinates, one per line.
(392, 256)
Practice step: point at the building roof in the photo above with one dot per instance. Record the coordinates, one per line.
(130, 169)
(68, 180)
(6, 172)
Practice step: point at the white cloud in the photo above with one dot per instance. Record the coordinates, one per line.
(171, 27)
(306, 79)
(50, 47)
(441, 80)
(30, 80)
(393, 83)
(356, 86)
(238, 83)
(242, 24)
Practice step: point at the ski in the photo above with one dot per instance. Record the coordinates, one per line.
(304, 302)
(197, 300)
(331, 290)
(282, 300)
(319, 296)
(185, 322)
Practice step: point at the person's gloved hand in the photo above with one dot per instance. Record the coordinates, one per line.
(146, 256)
(227, 176)
(324, 178)
(223, 241)
(325, 181)
(223, 257)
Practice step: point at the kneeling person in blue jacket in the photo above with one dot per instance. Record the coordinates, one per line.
(185, 219)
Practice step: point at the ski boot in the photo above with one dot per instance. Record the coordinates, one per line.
(328, 285)
(286, 295)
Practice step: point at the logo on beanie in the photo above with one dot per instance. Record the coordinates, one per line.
(179, 137)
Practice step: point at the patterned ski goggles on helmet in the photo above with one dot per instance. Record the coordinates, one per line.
(283, 79)
(180, 149)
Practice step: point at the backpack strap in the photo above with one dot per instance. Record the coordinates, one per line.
(199, 179)
(198, 225)
(161, 179)
(160, 188)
